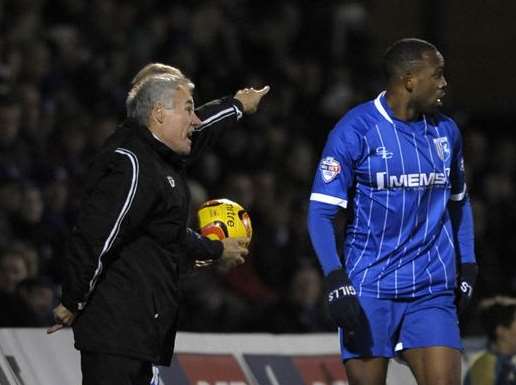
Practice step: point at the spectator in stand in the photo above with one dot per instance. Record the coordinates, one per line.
(14, 153)
(39, 296)
(496, 366)
(13, 270)
(300, 310)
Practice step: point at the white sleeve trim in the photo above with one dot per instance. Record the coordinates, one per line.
(459, 196)
(226, 113)
(116, 228)
(239, 113)
(329, 199)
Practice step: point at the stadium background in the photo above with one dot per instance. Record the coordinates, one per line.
(65, 68)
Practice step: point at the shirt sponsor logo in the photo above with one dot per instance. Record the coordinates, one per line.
(384, 153)
(442, 147)
(411, 180)
(330, 168)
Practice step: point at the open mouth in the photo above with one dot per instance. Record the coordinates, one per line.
(189, 138)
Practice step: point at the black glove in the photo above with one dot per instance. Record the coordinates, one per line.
(467, 277)
(343, 304)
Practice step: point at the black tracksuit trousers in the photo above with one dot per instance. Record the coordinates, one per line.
(108, 369)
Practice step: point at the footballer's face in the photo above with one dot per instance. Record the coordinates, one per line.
(428, 82)
(176, 125)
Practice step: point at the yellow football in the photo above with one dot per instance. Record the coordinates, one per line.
(223, 218)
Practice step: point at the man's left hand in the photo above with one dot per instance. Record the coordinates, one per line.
(63, 317)
(467, 278)
(250, 98)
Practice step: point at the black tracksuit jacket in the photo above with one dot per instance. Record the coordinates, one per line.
(131, 239)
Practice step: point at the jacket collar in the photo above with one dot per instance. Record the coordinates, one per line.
(159, 147)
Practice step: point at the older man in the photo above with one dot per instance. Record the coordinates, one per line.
(121, 291)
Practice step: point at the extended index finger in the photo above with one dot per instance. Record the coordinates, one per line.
(264, 90)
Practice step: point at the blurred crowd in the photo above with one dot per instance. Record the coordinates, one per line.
(65, 69)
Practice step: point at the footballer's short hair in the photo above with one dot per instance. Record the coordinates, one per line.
(403, 55)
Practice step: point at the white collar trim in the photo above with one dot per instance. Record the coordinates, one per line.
(157, 137)
(379, 107)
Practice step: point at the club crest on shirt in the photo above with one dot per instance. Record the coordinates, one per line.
(330, 168)
(442, 147)
(171, 181)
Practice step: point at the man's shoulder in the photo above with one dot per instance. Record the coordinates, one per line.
(359, 119)
(484, 360)
(446, 126)
(483, 365)
(122, 148)
(440, 119)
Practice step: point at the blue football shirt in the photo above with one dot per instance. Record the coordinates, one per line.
(397, 177)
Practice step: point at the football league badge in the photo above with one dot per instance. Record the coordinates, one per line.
(442, 147)
(330, 168)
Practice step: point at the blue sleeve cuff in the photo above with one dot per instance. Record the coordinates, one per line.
(322, 234)
(463, 230)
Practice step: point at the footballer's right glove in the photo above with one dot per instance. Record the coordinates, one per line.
(343, 304)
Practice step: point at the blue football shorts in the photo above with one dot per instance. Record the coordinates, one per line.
(393, 325)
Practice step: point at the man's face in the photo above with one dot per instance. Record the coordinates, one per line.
(13, 270)
(9, 123)
(176, 125)
(429, 84)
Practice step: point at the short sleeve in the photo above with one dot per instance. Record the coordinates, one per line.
(334, 174)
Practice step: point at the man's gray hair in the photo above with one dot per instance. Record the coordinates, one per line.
(152, 90)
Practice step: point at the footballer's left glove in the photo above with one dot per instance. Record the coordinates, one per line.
(343, 304)
(467, 277)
